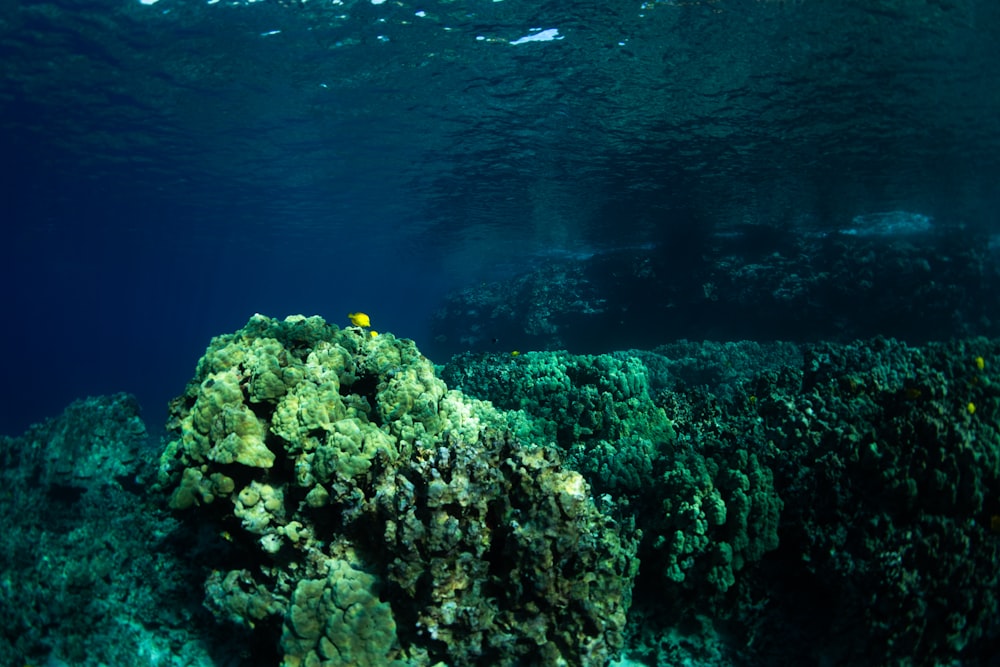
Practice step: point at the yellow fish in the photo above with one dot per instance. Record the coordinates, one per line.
(359, 319)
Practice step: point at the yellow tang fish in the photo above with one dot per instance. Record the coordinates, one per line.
(359, 319)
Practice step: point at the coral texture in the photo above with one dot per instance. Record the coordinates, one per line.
(895, 482)
(382, 519)
(85, 576)
(705, 502)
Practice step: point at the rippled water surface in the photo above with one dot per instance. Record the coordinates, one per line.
(173, 167)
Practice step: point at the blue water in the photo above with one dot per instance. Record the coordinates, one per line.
(172, 168)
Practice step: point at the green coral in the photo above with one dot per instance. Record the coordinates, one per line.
(596, 408)
(348, 450)
(702, 494)
(338, 620)
(895, 484)
(395, 536)
(342, 467)
(718, 514)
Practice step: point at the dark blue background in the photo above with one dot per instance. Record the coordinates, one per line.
(169, 170)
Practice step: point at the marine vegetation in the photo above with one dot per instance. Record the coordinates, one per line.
(376, 518)
(332, 502)
(845, 495)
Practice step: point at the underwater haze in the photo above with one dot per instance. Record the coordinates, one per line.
(173, 167)
(498, 333)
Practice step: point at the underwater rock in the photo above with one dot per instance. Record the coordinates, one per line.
(890, 466)
(390, 521)
(790, 504)
(706, 506)
(86, 578)
(928, 286)
(825, 502)
(96, 441)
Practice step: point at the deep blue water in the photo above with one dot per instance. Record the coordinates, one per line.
(171, 169)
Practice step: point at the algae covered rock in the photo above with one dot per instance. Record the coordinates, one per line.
(702, 494)
(97, 441)
(339, 620)
(892, 456)
(378, 518)
(499, 555)
(597, 409)
(87, 580)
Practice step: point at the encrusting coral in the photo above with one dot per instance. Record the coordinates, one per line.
(345, 508)
(382, 519)
(706, 507)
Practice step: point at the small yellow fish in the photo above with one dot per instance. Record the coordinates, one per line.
(359, 319)
(515, 353)
(372, 333)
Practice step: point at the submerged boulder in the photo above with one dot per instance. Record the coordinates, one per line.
(88, 576)
(372, 516)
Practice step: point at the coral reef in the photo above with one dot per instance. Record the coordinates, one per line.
(848, 495)
(579, 403)
(896, 488)
(332, 502)
(741, 284)
(87, 576)
(382, 519)
(705, 502)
